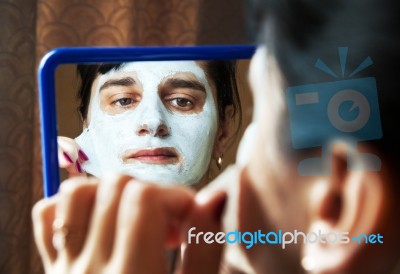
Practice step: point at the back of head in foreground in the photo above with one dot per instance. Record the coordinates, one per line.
(324, 149)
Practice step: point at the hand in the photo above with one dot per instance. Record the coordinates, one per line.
(121, 225)
(70, 156)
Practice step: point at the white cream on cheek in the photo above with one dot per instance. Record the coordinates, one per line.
(193, 135)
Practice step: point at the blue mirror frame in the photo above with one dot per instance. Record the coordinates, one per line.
(87, 55)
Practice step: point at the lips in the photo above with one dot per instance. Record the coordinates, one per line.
(158, 156)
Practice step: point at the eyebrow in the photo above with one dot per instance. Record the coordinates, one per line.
(183, 83)
(125, 82)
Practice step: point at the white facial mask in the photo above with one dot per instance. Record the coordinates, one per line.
(108, 136)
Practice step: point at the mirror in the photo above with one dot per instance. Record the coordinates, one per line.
(159, 107)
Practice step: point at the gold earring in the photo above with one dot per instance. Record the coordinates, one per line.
(219, 161)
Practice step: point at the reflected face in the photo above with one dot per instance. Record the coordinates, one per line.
(156, 121)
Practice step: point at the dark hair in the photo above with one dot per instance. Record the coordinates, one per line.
(87, 74)
(222, 73)
(298, 32)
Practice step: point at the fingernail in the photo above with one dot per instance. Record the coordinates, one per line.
(78, 167)
(82, 155)
(219, 208)
(66, 156)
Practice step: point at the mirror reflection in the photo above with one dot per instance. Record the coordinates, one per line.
(164, 121)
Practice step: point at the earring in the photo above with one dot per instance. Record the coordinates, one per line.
(219, 161)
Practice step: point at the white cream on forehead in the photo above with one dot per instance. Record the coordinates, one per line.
(193, 135)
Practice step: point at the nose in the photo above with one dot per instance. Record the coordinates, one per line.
(153, 127)
(151, 121)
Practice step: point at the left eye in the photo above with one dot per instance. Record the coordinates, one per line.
(182, 102)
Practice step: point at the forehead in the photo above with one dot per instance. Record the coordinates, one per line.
(160, 69)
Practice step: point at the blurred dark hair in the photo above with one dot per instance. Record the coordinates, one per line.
(221, 72)
(298, 32)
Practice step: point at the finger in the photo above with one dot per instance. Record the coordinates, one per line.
(64, 159)
(145, 218)
(70, 156)
(73, 213)
(67, 150)
(204, 255)
(43, 214)
(102, 226)
(74, 169)
(82, 156)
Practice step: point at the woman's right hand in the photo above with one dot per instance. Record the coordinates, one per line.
(70, 156)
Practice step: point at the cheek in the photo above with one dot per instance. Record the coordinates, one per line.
(112, 134)
(246, 145)
(201, 127)
(253, 155)
(258, 153)
(273, 176)
(112, 130)
(194, 128)
(194, 137)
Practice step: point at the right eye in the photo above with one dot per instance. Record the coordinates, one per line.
(120, 102)
(124, 102)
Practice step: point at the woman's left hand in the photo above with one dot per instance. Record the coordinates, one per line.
(70, 156)
(121, 225)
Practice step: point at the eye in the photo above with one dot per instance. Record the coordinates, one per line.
(182, 103)
(124, 102)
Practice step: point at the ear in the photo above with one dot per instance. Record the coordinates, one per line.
(85, 124)
(84, 121)
(224, 133)
(346, 206)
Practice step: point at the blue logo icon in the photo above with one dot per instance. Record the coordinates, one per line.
(343, 109)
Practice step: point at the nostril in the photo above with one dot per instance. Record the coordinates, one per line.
(142, 132)
(162, 131)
